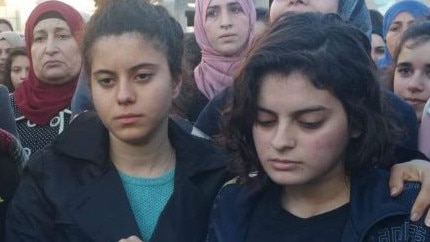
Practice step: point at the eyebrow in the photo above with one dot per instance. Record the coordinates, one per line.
(312, 109)
(403, 64)
(396, 23)
(132, 69)
(228, 4)
(56, 29)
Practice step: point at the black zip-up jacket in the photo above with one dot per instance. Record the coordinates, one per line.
(374, 215)
(71, 191)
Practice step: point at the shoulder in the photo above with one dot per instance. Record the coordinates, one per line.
(235, 192)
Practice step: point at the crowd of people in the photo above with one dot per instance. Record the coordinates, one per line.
(307, 121)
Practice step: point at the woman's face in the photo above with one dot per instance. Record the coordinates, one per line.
(4, 52)
(279, 7)
(132, 92)
(55, 53)
(226, 26)
(19, 70)
(396, 29)
(412, 76)
(378, 47)
(300, 139)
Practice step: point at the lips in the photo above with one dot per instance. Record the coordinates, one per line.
(225, 36)
(284, 164)
(52, 63)
(128, 118)
(415, 101)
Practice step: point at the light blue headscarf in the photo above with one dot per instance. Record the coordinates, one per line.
(415, 8)
(357, 13)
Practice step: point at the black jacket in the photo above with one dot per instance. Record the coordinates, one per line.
(374, 214)
(70, 191)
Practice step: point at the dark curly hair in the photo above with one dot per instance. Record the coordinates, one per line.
(331, 54)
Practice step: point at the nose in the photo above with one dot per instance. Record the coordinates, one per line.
(283, 138)
(415, 84)
(23, 74)
(51, 46)
(3, 55)
(226, 20)
(125, 93)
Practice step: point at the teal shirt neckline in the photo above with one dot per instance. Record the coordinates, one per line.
(147, 197)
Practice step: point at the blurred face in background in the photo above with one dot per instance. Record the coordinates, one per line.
(279, 7)
(4, 52)
(20, 68)
(378, 47)
(412, 75)
(226, 26)
(55, 53)
(396, 30)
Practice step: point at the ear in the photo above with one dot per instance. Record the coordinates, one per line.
(177, 84)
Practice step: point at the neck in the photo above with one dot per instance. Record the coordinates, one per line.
(148, 159)
(319, 197)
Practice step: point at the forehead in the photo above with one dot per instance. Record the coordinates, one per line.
(4, 44)
(377, 40)
(403, 17)
(419, 53)
(222, 2)
(18, 59)
(297, 90)
(49, 24)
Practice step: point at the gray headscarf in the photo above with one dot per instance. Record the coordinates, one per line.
(357, 13)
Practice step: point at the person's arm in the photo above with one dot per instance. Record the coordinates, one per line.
(418, 171)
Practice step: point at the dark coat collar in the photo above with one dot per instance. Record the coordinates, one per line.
(90, 141)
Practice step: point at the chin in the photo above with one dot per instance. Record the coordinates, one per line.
(288, 179)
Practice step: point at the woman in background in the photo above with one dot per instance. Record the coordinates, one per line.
(17, 68)
(42, 103)
(396, 20)
(411, 72)
(8, 41)
(224, 29)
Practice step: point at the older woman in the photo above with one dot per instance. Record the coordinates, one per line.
(41, 103)
(396, 20)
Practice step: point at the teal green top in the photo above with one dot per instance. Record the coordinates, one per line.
(148, 197)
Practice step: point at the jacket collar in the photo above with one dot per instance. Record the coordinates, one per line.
(85, 138)
(90, 141)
